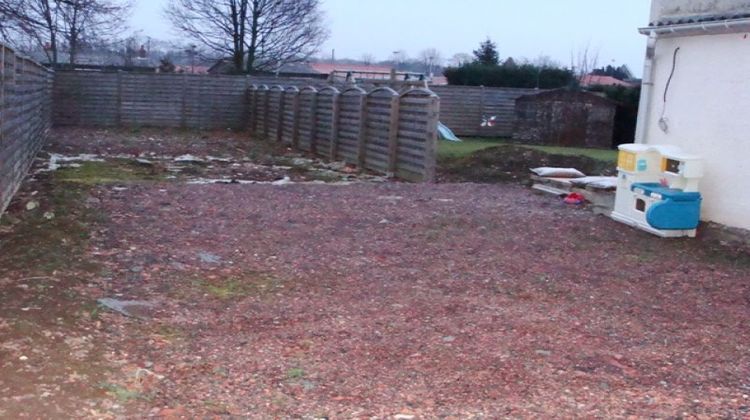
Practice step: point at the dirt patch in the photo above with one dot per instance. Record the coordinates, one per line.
(512, 163)
(122, 156)
(53, 350)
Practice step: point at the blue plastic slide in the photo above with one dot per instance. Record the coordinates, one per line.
(445, 133)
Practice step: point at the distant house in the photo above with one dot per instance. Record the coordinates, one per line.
(189, 69)
(590, 80)
(696, 95)
(222, 66)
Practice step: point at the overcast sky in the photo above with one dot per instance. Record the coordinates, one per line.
(522, 29)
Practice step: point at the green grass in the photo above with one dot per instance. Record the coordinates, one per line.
(451, 150)
(251, 284)
(114, 171)
(598, 154)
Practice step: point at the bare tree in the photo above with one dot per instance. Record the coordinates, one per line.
(399, 57)
(583, 61)
(545, 61)
(368, 59)
(256, 34)
(431, 57)
(459, 59)
(57, 25)
(87, 20)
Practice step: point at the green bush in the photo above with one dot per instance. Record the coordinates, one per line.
(516, 76)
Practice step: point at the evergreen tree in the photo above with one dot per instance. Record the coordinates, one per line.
(487, 54)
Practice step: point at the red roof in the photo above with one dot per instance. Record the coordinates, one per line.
(594, 80)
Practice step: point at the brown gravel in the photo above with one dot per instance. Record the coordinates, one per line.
(452, 300)
(377, 300)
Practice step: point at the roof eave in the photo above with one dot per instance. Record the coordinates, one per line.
(728, 26)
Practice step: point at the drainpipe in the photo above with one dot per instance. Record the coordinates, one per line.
(646, 88)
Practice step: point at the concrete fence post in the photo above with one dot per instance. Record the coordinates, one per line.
(393, 135)
(280, 117)
(362, 142)
(314, 122)
(295, 119)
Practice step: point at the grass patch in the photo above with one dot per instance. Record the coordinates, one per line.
(109, 172)
(605, 155)
(253, 284)
(122, 394)
(454, 150)
(295, 373)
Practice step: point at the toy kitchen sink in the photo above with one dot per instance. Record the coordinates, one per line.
(657, 190)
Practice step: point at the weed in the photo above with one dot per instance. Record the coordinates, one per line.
(237, 287)
(295, 373)
(121, 393)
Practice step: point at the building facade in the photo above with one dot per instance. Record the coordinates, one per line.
(696, 95)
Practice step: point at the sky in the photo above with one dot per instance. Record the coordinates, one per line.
(522, 28)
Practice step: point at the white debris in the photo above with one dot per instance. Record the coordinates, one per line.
(390, 197)
(284, 181)
(207, 181)
(188, 159)
(57, 161)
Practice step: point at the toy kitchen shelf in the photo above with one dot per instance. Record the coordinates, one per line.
(657, 190)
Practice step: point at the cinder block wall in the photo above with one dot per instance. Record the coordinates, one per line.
(25, 118)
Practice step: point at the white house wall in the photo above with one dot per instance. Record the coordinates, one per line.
(708, 113)
(661, 9)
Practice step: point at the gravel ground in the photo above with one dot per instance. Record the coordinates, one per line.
(450, 300)
(378, 300)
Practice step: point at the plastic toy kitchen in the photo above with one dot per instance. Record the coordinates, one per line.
(657, 190)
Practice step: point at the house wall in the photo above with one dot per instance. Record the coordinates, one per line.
(661, 9)
(706, 110)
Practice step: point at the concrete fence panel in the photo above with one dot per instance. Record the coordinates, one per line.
(108, 99)
(290, 114)
(350, 113)
(326, 117)
(274, 112)
(25, 117)
(380, 130)
(419, 113)
(307, 123)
